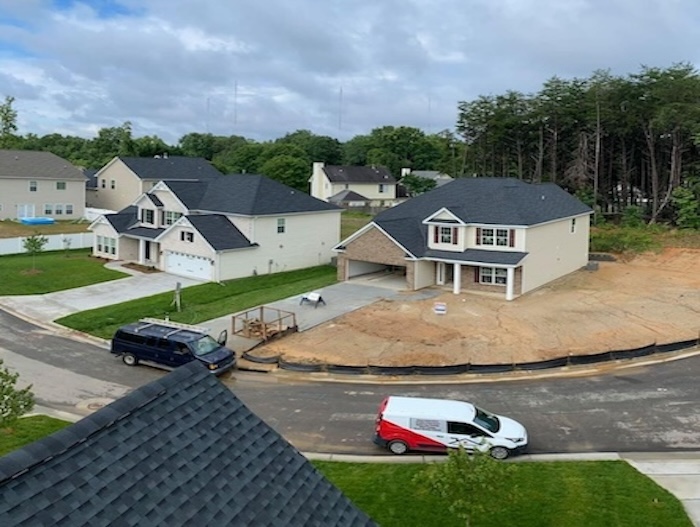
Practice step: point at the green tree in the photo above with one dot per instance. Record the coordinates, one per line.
(13, 402)
(465, 478)
(417, 185)
(685, 201)
(243, 159)
(8, 123)
(317, 147)
(34, 244)
(292, 171)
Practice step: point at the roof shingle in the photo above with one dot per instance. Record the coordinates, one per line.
(28, 164)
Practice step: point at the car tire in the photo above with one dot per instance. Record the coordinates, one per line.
(397, 447)
(130, 359)
(499, 452)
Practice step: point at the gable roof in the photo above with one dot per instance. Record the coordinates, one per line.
(171, 168)
(181, 450)
(346, 195)
(90, 174)
(481, 201)
(219, 232)
(29, 164)
(124, 219)
(358, 174)
(246, 194)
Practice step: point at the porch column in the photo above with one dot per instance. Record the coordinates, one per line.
(142, 252)
(510, 283)
(457, 278)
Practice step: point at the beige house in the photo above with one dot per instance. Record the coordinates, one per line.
(374, 185)
(40, 184)
(121, 181)
(475, 234)
(222, 228)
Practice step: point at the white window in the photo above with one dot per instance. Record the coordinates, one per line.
(60, 185)
(186, 236)
(573, 225)
(497, 237)
(112, 184)
(69, 209)
(486, 236)
(171, 217)
(99, 243)
(445, 234)
(32, 186)
(112, 244)
(59, 209)
(147, 216)
(48, 209)
(281, 225)
(502, 237)
(493, 275)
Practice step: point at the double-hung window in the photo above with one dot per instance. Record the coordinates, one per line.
(493, 275)
(495, 237)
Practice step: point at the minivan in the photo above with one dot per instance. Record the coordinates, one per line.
(171, 344)
(435, 425)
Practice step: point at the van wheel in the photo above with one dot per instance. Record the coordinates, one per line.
(130, 359)
(499, 452)
(398, 447)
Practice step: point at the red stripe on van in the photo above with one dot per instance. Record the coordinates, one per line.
(415, 441)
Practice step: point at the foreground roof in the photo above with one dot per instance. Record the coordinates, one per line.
(481, 201)
(182, 450)
(28, 164)
(246, 194)
(171, 167)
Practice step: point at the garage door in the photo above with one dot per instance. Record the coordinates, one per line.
(188, 265)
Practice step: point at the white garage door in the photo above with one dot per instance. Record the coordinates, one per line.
(188, 265)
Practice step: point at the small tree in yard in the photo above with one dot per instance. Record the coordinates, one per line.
(34, 244)
(13, 402)
(466, 480)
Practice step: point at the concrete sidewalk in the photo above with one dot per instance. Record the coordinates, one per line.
(678, 472)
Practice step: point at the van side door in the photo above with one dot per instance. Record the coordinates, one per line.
(467, 435)
(180, 354)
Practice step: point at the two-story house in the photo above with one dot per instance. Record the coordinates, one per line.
(221, 228)
(372, 185)
(117, 184)
(42, 184)
(475, 234)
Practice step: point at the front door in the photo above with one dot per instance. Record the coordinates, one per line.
(147, 251)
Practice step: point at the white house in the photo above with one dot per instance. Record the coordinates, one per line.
(222, 228)
(375, 185)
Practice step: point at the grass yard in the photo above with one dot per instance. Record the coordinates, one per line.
(571, 494)
(203, 302)
(15, 229)
(23, 274)
(352, 221)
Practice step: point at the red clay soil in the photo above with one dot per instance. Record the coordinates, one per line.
(624, 304)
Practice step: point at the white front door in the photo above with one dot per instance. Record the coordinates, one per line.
(25, 210)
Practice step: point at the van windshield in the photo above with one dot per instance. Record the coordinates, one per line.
(204, 345)
(486, 420)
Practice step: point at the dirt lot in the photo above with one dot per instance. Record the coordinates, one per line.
(625, 304)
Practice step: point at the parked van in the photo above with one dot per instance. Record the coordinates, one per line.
(434, 425)
(171, 344)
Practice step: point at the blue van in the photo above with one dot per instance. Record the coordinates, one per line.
(171, 344)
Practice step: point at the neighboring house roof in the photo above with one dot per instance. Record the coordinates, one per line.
(171, 168)
(219, 232)
(246, 194)
(90, 174)
(481, 201)
(347, 195)
(430, 174)
(28, 164)
(358, 174)
(182, 450)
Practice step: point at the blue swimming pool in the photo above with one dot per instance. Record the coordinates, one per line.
(37, 221)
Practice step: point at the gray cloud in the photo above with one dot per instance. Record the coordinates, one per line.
(263, 68)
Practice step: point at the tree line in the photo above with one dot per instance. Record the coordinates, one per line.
(615, 141)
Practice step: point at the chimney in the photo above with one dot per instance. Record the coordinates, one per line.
(405, 171)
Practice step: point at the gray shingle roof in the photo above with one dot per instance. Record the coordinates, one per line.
(182, 450)
(221, 234)
(358, 174)
(125, 218)
(478, 256)
(28, 164)
(487, 201)
(171, 168)
(247, 194)
(347, 195)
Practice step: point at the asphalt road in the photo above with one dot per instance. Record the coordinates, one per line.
(652, 408)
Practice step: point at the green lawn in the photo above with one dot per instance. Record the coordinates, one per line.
(352, 221)
(23, 274)
(203, 302)
(570, 494)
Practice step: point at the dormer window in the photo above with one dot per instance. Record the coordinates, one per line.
(445, 235)
(147, 216)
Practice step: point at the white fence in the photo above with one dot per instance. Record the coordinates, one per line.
(56, 242)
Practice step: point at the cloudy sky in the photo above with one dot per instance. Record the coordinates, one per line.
(261, 68)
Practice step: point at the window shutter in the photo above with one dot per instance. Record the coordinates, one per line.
(476, 275)
(435, 234)
(455, 230)
(478, 235)
(511, 238)
(162, 217)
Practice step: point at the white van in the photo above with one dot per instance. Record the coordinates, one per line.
(434, 425)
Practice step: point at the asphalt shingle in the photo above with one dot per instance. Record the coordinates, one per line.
(28, 164)
(171, 168)
(358, 174)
